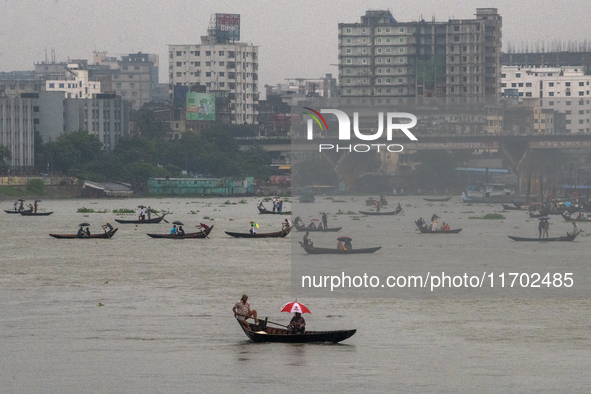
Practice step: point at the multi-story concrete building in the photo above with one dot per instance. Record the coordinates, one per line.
(383, 58)
(136, 79)
(76, 83)
(12, 84)
(17, 125)
(563, 89)
(228, 67)
(105, 115)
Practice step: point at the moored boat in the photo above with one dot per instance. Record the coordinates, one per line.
(278, 234)
(567, 237)
(11, 211)
(200, 234)
(147, 221)
(92, 236)
(262, 333)
(314, 250)
(437, 199)
(396, 212)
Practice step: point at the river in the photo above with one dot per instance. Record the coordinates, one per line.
(139, 315)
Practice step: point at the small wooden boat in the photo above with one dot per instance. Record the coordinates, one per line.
(396, 212)
(425, 229)
(508, 207)
(277, 234)
(567, 237)
(302, 227)
(572, 220)
(261, 333)
(437, 199)
(200, 234)
(11, 211)
(92, 236)
(315, 250)
(267, 212)
(31, 213)
(307, 198)
(147, 221)
(372, 201)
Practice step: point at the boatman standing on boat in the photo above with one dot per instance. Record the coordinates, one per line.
(143, 214)
(242, 311)
(149, 213)
(286, 224)
(324, 220)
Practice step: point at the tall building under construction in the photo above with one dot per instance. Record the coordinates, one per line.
(384, 58)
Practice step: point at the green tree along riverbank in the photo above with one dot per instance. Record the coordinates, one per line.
(214, 152)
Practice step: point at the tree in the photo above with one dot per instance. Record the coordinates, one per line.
(73, 150)
(5, 157)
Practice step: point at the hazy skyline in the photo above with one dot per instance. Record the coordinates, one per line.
(296, 39)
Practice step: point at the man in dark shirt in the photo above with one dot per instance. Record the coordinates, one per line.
(297, 325)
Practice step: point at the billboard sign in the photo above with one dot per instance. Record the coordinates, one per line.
(200, 106)
(227, 27)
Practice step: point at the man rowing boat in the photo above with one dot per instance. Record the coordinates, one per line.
(242, 311)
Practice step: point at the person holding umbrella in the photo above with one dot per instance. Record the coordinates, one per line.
(297, 325)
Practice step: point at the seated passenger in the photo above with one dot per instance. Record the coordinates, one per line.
(180, 231)
(297, 325)
(80, 232)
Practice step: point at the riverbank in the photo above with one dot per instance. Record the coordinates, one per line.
(26, 192)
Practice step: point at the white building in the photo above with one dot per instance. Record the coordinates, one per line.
(562, 89)
(230, 67)
(76, 84)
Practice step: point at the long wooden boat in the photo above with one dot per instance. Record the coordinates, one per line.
(508, 207)
(147, 221)
(299, 227)
(92, 236)
(31, 213)
(267, 212)
(425, 230)
(315, 250)
(304, 228)
(200, 234)
(307, 198)
(567, 237)
(396, 212)
(437, 199)
(11, 211)
(258, 333)
(277, 234)
(371, 201)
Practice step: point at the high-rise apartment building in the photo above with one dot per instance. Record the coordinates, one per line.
(458, 59)
(227, 68)
(562, 89)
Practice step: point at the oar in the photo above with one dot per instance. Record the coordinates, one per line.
(268, 321)
(166, 221)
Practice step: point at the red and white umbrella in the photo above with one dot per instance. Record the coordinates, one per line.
(294, 307)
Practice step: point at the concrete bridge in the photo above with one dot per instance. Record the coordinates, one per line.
(526, 154)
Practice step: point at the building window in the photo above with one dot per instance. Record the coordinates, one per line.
(379, 29)
(349, 80)
(222, 84)
(518, 75)
(348, 50)
(379, 80)
(178, 64)
(179, 74)
(388, 40)
(348, 40)
(207, 53)
(551, 94)
(401, 30)
(379, 60)
(221, 53)
(222, 74)
(208, 74)
(348, 31)
(568, 103)
(179, 53)
(401, 40)
(379, 50)
(348, 71)
(51, 85)
(527, 94)
(528, 84)
(388, 30)
(348, 61)
(378, 40)
(364, 61)
(581, 93)
(401, 50)
(551, 84)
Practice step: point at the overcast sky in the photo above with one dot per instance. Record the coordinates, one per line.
(296, 38)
